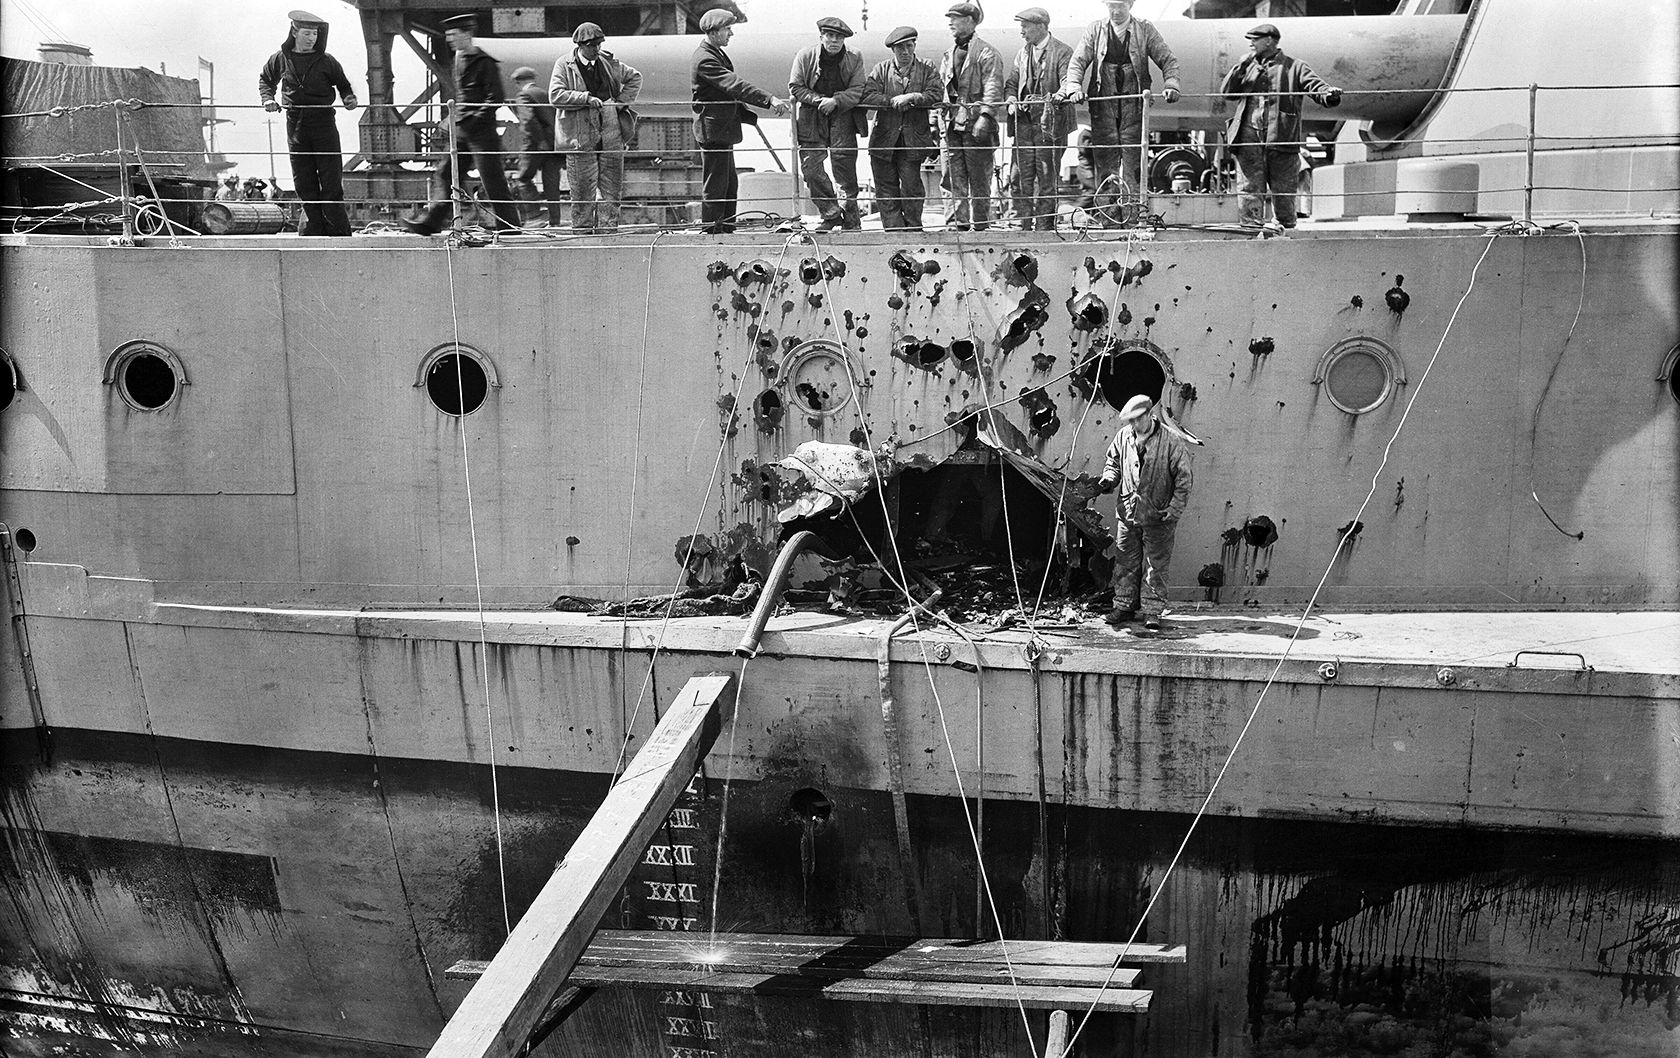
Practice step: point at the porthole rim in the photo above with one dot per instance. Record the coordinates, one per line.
(129, 351)
(1379, 350)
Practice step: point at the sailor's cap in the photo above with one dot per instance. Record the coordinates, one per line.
(588, 32)
(716, 18)
(467, 22)
(1264, 29)
(900, 35)
(1034, 14)
(1137, 407)
(833, 25)
(965, 10)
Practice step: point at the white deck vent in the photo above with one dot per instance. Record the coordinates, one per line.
(1434, 190)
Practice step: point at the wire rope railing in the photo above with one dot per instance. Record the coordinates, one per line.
(662, 183)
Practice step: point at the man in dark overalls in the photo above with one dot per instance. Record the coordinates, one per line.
(303, 78)
(478, 95)
(1113, 59)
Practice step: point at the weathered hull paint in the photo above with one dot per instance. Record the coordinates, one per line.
(306, 903)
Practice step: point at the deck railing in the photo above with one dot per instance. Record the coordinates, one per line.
(138, 204)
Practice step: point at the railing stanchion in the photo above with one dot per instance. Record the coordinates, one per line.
(1143, 158)
(457, 179)
(125, 186)
(1528, 181)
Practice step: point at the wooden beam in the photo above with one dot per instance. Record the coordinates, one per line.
(498, 1015)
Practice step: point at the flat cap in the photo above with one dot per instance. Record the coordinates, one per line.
(833, 25)
(524, 73)
(716, 18)
(900, 35)
(1137, 407)
(300, 15)
(587, 32)
(1034, 14)
(466, 22)
(965, 10)
(1264, 29)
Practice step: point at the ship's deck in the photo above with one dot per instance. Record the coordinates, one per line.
(1218, 641)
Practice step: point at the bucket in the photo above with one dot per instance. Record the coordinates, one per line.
(244, 218)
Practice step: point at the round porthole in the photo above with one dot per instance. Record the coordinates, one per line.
(1119, 372)
(1359, 374)
(457, 378)
(817, 378)
(11, 383)
(147, 375)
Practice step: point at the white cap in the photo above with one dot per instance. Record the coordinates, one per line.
(1138, 406)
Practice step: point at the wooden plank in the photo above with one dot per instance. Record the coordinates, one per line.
(930, 993)
(507, 1003)
(1046, 952)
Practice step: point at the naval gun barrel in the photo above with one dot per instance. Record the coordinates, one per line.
(1390, 66)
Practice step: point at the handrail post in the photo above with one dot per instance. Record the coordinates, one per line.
(1528, 181)
(125, 186)
(457, 179)
(1143, 157)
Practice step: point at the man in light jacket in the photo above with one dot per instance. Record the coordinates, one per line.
(1039, 125)
(1113, 59)
(721, 99)
(1151, 469)
(592, 92)
(827, 85)
(1265, 130)
(971, 77)
(905, 89)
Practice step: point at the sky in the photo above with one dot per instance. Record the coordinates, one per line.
(237, 36)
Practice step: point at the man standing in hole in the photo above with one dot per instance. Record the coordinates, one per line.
(1151, 469)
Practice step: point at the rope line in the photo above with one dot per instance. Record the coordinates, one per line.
(1289, 647)
(927, 664)
(478, 588)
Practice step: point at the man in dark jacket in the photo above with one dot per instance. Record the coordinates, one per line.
(906, 90)
(721, 98)
(1265, 130)
(827, 85)
(1151, 469)
(536, 124)
(303, 78)
(478, 95)
(1039, 124)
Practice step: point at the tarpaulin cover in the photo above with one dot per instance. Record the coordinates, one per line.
(165, 134)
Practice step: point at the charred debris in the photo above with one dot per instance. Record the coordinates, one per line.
(989, 535)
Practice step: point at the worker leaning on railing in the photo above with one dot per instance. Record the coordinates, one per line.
(1038, 124)
(304, 79)
(827, 84)
(971, 72)
(905, 90)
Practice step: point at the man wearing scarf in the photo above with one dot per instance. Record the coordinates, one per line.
(905, 89)
(593, 91)
(827, 85)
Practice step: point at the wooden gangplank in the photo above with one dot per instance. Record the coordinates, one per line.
(940, 972)
(516, 987)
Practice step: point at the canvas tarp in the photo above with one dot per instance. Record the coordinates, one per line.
(164, 133)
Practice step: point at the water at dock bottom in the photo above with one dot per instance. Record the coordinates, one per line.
(171, 897)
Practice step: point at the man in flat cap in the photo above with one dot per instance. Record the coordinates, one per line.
(827, 85)
(971, 76)
(478, 95)
(1040, 125)
(303, 78)
(1151, 469)
(906, 89)
(593, 92)
(721, 101)
(1265, 130)
(536, 125)
(1113, 59)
